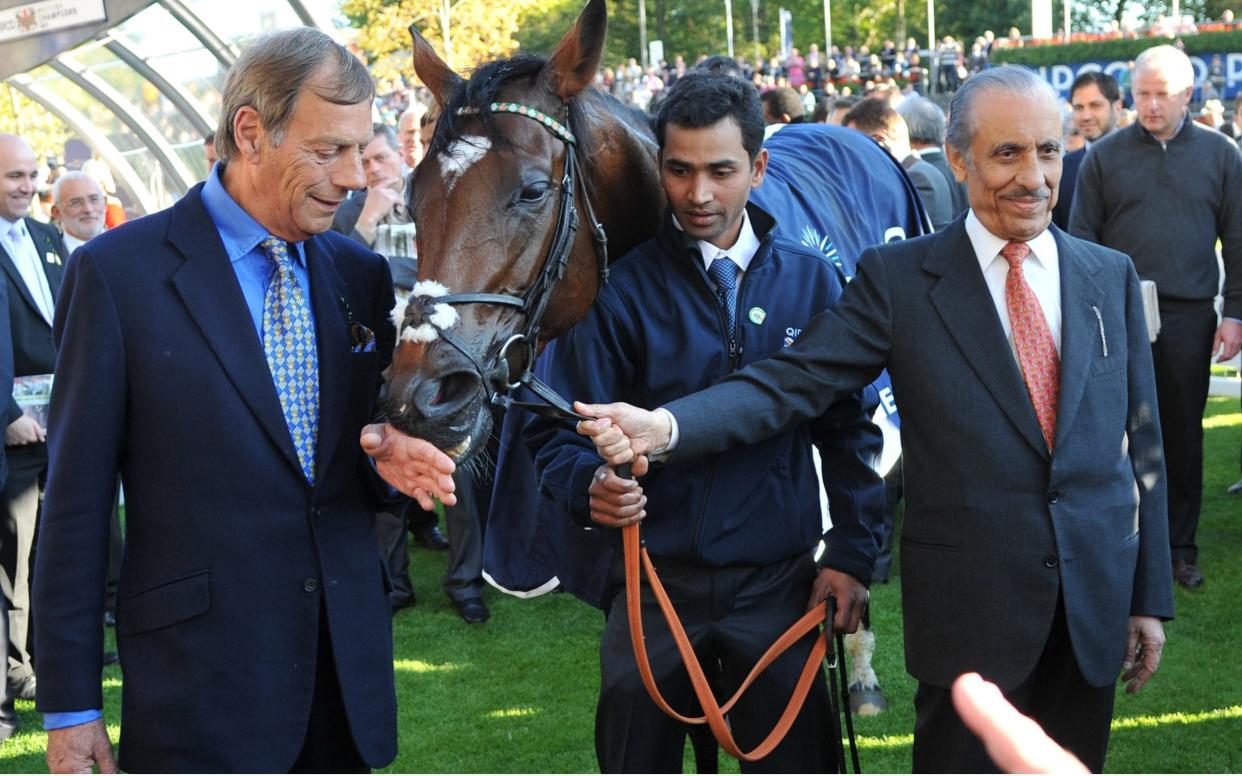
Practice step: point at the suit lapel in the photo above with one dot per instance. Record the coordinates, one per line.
(209, 289)
(1079, 327)
(15, 277)
(47, 242)
(327, 297)
(962, 300)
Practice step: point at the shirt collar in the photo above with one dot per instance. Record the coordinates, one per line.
(988, 246)
(238, 230)
(742, 250)
(6, 225)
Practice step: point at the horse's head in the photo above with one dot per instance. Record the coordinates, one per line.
(490, 199)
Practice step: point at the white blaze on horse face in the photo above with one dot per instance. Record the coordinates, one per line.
(461, 156)
(443, 316)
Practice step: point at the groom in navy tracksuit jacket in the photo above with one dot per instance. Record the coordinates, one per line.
(732, 536)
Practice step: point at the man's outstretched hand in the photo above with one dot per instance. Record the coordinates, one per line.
(411, 465)
(622, 431)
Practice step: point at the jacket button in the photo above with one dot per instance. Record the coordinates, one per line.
(1053, 496)
(310, 585)
(1051, 562)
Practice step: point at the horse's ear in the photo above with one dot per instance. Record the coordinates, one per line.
(434, 72)
(572, 67)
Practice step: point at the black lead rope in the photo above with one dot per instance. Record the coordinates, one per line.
(838, 693)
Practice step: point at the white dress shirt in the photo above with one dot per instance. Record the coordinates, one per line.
(26, 259)
(1041, 269)
(71, 243)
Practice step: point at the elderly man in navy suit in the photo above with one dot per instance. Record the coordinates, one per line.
(1035, 547)
(223, 356)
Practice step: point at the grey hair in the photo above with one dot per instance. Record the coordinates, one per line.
(270, 75)
(925, 119)
(385, 131)
(1170, 62)
(72, 175)
(1007, 78)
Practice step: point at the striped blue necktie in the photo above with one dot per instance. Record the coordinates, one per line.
(289, 344)
(723, 273)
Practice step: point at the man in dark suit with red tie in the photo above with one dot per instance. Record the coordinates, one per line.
(227, 376)
(1035, 545)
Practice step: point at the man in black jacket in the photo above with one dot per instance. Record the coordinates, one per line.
(732, 536)
(1164, 190)
(32, 261)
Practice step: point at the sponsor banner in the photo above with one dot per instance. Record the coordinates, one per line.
(42, 16)
(1062, 76)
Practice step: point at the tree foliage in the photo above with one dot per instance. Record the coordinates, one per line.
(478, 30)
(30, 120)
(484, 29)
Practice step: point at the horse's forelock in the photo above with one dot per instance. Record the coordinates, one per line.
(484, 88)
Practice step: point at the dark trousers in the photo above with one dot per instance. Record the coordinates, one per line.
(1075, 714)
(1182, 358)
(329, 745)
(21, 500)
(394, 550)
(731, 615)
(464, 521)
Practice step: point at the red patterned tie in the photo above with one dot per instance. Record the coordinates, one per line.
(1037, 353)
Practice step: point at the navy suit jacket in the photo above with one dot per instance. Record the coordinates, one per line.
(232, 559)
(996, 528)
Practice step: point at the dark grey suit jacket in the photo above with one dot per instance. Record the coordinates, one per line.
(933, 190)
(996, 528)
(957, 190)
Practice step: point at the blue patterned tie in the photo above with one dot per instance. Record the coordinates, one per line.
(723, 273)
(289, 343)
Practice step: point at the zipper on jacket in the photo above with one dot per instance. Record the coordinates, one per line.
(700, 518)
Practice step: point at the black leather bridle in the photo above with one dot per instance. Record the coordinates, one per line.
(534, 301)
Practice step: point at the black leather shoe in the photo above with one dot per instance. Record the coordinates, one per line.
(111, 658)
(473, 610)
(23, 688)
(402, 601)
(431, 538)
(1187, 575)
(1235, 488)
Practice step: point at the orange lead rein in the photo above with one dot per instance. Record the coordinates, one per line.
(713, 713)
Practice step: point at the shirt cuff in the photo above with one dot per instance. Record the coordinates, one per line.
(55, 720)
(1235, 320)
(657, 456)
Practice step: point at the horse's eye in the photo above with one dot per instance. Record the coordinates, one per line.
(535, 192)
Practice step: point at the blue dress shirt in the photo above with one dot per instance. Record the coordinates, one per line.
(241, 235)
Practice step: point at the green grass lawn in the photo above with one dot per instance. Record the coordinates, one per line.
(517, 694)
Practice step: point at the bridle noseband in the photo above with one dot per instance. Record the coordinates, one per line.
(534, 301)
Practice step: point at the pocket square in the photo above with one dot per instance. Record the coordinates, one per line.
(361, 339)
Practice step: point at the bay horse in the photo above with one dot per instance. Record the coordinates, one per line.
(532, 182)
